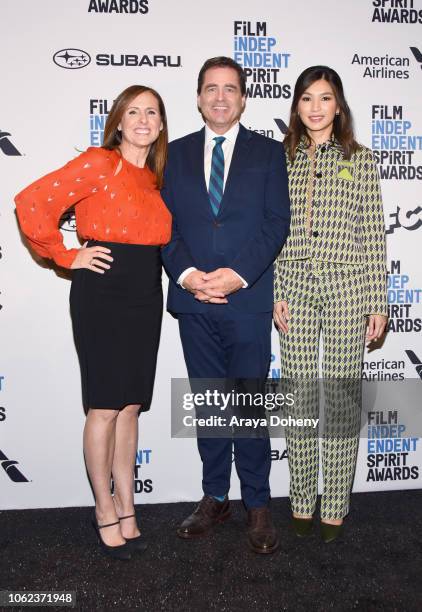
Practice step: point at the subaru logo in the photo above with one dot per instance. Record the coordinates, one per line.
(71, 58)
(68, 222)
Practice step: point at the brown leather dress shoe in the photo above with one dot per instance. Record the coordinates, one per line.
(208, 513)
(262, 535)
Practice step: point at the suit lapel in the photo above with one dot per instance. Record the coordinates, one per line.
(238, 162)
(196, 153)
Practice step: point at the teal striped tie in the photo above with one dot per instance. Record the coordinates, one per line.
(216, 186)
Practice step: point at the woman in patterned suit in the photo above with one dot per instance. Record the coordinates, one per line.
(330, 283)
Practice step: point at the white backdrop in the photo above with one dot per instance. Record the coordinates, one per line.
(49, 112)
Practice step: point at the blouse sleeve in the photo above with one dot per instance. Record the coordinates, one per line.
(373, 231)
(40, 205)
(279, 290)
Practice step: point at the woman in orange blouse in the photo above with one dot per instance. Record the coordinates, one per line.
(116, 294)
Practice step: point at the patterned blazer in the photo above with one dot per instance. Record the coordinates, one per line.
(337, 216)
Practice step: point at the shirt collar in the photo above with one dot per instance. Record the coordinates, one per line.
(230, 135)
(332, 143)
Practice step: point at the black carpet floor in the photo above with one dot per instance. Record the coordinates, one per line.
(376, 565)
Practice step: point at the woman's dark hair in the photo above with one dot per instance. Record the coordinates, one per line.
(222, 62)
(343, 123)
(157, 155)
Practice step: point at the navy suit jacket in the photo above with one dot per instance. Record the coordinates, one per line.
(249, 230)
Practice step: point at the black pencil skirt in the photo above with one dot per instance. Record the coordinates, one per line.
(116, 319)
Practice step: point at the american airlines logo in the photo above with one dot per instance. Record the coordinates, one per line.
(281, 126)
(6, 145)
(417, 54)
(416, 362)
(9, 466)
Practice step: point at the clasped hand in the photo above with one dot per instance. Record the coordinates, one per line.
(212, 287)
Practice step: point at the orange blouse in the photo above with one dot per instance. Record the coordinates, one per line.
(114, 202)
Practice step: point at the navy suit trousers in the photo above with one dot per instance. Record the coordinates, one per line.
(228, 344)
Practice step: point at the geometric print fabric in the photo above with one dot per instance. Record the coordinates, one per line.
(324, 300)
(337, 216)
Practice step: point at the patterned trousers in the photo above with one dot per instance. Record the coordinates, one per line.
(325, 301)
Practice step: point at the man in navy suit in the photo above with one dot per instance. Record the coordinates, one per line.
(227, 190)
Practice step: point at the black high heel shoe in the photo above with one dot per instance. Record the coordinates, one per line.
(135, 544)
(330, 532)
(121, 552)
(302, 526)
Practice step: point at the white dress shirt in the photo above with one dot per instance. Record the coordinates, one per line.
(227, 147)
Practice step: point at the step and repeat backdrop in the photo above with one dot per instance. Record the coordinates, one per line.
(63, 62)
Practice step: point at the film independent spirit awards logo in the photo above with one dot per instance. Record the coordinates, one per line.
(71, 59)
(408, 219)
